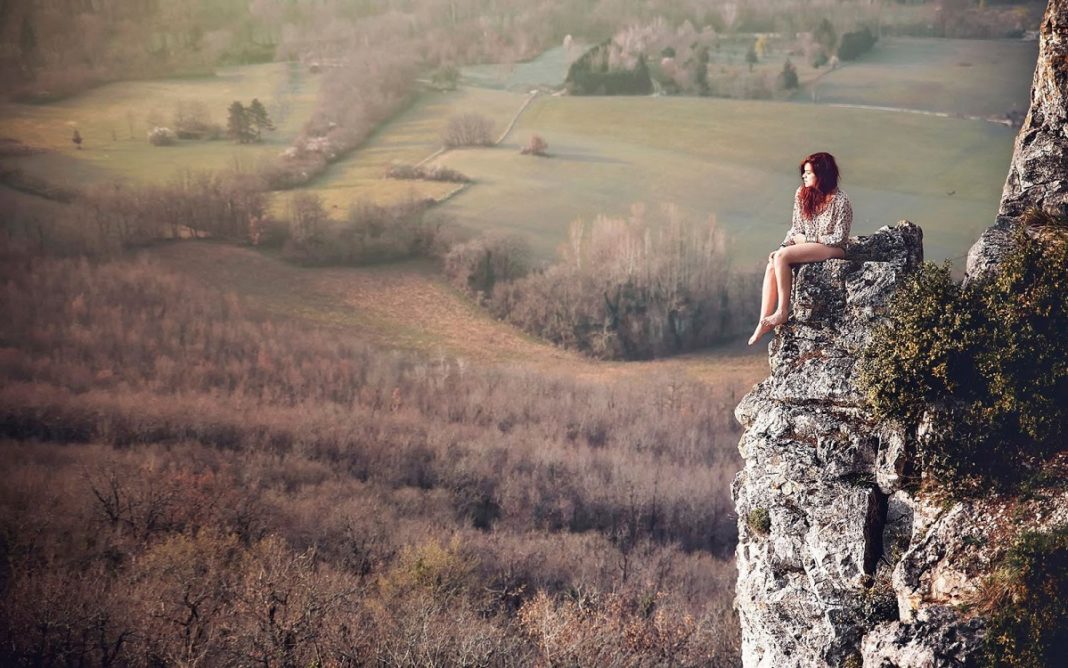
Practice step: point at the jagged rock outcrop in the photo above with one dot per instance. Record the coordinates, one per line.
(1038, 173)
(839, 562)
(814, 461)
(836, 557)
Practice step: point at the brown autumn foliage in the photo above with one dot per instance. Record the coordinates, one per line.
(370, 233)
(186, 483)
(629, 288)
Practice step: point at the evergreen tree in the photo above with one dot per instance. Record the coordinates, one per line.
(788, 76)
(77, 139)
(700, 77)
(239, 125)
(258, 119)
(751, 56)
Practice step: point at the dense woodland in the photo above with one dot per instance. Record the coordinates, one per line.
(185, 482)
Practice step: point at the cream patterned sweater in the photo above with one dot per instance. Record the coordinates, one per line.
(830, 226)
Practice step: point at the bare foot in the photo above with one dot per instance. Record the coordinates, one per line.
(775, 319)
(763, 328)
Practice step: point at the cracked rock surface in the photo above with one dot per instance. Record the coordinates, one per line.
(1038, 173)
(839, 561)
(852, 564)
(818, 465)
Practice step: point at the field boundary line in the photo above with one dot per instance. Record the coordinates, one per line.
(431, 157)
(463, 186)
(923, 112)
(449, 195)
(515, 118)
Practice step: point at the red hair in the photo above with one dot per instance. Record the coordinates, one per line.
(826, 170)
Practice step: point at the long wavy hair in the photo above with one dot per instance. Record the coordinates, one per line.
(826, 170)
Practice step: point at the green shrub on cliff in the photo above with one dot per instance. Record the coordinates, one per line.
(1027, 600)
(987, 361)
(759, 521)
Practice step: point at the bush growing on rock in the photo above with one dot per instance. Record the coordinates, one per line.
(981, 369)
(759, 521)
(1028, 602)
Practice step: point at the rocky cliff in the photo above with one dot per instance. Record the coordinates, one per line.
(842, 561)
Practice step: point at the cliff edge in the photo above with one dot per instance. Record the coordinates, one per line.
(843, 558)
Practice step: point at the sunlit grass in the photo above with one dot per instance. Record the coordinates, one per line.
(409, 138)
(113, 121)
(735, 160)
(973, 77)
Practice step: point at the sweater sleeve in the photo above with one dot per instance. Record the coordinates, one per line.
(796, 226)
(841, 222)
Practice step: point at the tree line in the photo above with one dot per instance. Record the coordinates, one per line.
(622, 288)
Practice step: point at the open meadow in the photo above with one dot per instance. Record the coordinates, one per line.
(548, 70)
(735, 160)
(968, 77)
(114, 120)
(410, 137)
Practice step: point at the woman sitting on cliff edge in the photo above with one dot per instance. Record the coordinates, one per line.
(819, 230)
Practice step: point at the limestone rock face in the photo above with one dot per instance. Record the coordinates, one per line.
(840, 560)
(1038, 173)
(820, 467)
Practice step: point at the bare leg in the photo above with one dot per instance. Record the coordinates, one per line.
(769, 295)
(787, 257)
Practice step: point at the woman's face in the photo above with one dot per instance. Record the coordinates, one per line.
(808, 176)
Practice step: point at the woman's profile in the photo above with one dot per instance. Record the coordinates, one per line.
(819, 230)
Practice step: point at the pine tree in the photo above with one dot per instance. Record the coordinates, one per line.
(788, 76)
(77, 139)
(258, 119)
(238, 124)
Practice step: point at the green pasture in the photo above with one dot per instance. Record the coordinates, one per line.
(549, 70)
(734, 160)
(956, 76)
(114, 120)
(409, 137)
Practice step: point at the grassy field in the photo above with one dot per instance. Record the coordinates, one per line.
(955, 76)
(735, 160)
(547, 70)
(731, 159)
(409, 138)
(114, 119)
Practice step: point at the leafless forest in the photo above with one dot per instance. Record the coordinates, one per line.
(186, 484)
